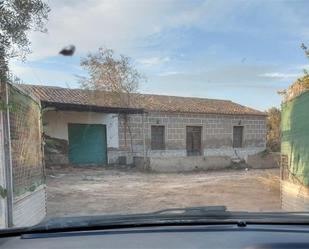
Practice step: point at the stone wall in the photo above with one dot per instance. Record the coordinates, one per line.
(217, 134)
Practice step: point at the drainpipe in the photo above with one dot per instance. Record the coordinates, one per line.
(7, 154)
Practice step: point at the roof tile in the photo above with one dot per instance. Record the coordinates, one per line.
(148, 102)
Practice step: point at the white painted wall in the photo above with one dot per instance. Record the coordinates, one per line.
(56, 124)
(30, 208)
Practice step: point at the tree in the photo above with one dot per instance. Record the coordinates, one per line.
(273, 129)
(17, 18)
(113, 74)
(109, 72)
(303, 46)
(302, 83)
(305, 79)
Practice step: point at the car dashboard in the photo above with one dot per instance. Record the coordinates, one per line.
(205, 236)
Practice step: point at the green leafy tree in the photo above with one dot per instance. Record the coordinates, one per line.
(304, 80)
(273, 129)
(303, 46)
(17, 18)
(302, 83)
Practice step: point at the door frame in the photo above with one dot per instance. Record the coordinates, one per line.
(201, 138)
(243, 136)
(164, 136)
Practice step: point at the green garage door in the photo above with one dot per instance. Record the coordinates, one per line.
(87, 144)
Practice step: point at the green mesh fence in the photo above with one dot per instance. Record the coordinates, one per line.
(295, 136)
(26, 142)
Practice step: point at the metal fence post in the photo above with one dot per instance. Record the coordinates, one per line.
(7, 153)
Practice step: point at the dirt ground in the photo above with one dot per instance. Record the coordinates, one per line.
(89, 191)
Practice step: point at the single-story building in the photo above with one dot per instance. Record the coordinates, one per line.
(172, 133)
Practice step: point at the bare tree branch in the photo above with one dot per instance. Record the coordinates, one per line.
(114, 74)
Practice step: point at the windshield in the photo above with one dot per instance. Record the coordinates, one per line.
(129, 107)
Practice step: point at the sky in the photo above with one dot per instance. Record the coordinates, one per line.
(244, 51)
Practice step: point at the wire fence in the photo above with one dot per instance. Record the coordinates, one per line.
(286, 174)
(26, 141)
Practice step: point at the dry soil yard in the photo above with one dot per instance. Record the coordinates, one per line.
(80, 191)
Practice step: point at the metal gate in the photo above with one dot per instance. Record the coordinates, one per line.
(26, 141)
(23, 154)
(87, 144)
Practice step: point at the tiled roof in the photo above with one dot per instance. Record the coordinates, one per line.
(59, 95)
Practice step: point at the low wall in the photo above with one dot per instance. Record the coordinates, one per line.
(263, 160)
(52, 159)
(294, 197)
(30, 208)
(241, 153)
(182, 164)
(116, 156)
(216, 162)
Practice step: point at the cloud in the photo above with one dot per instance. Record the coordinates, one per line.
(280, 76)
(303, 67)
(218, 15)
(89, 24)
(33, 75)
(153, 61)
(225, 79)
(169, 73)
(125, 25)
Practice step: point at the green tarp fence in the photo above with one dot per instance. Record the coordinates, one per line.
(295, 136)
